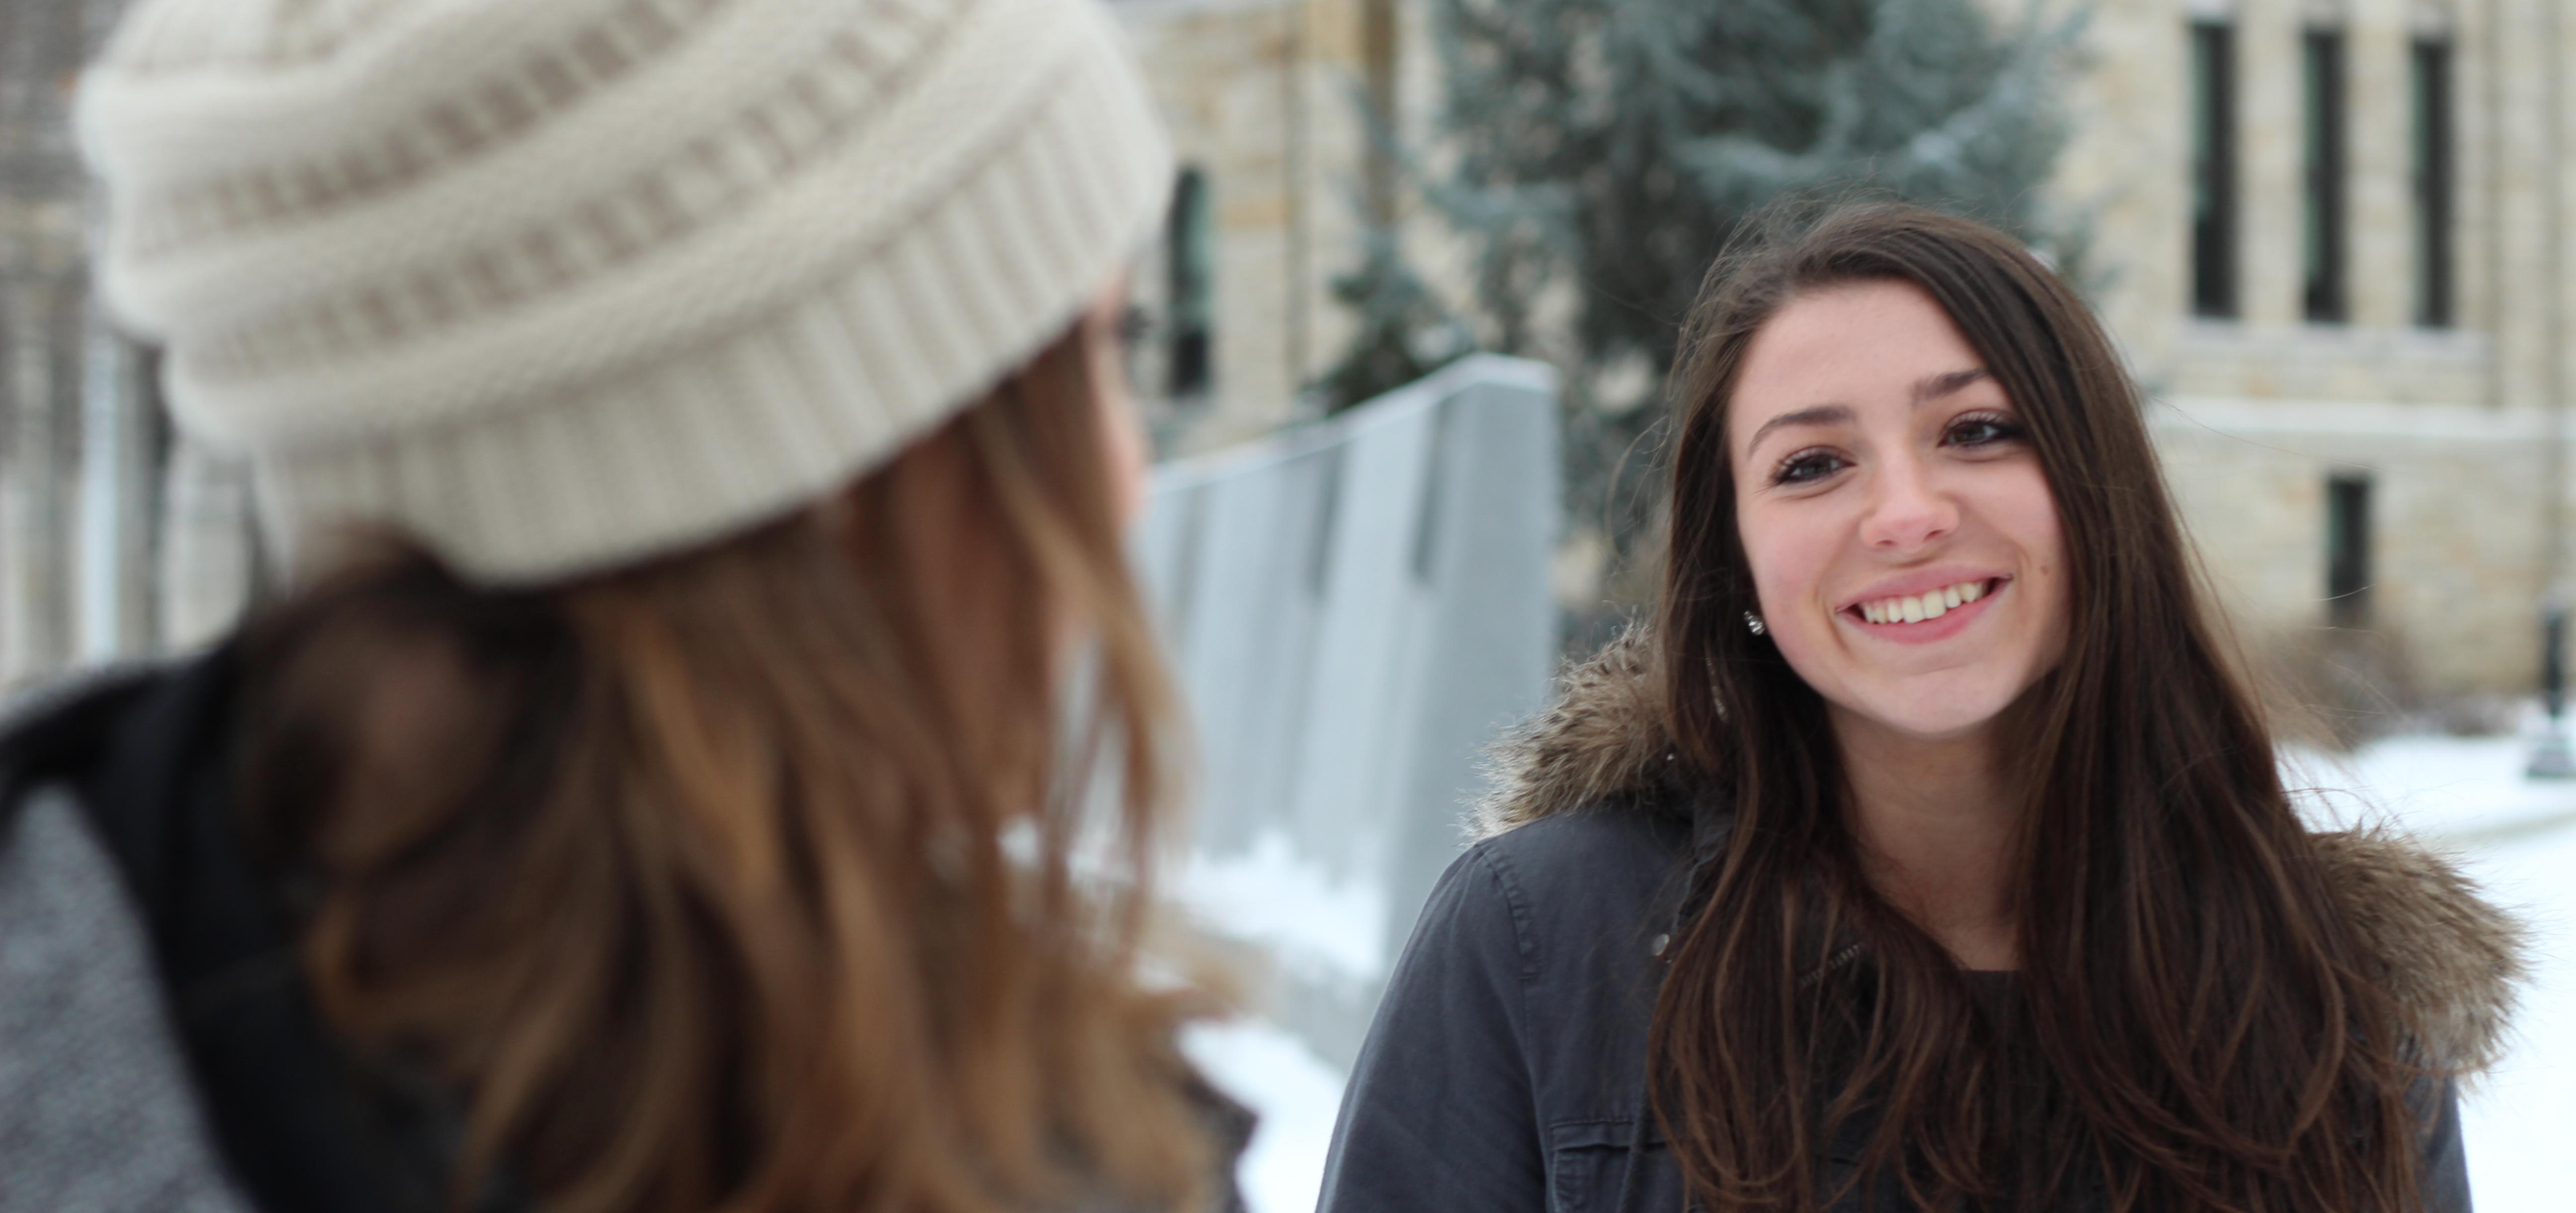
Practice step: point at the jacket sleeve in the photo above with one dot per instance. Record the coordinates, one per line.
(1439, 1116)
(2444, 1171)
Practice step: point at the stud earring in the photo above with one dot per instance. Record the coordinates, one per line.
(1753, 622)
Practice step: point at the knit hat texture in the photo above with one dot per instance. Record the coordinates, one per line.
(557, 285)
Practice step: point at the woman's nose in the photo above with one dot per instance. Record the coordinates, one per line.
(1906, 510)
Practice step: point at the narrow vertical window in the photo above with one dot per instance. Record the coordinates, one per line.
(1379, 30)
(1191, 245)
(2322, 252)
(2432, 172)
(2213, 170)
(2348, 550)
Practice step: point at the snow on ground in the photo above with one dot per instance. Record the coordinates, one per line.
(1296, 1095)
(2516, 835)
(1308, 922)
(1293, 908)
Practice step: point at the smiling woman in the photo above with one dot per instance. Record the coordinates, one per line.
(2068, 779)
(1929, 852)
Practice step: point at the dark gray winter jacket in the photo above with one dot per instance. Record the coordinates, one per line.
(1506, 1071)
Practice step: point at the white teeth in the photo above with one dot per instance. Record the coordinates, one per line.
(1932, 604)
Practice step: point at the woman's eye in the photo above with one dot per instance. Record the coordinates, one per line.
(1806, 467)
(1982, 431)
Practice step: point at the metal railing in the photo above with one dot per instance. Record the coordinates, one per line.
(1355, 609)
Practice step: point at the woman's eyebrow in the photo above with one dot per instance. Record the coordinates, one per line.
(1814, 414)
(1934, 387)
(1927, 389)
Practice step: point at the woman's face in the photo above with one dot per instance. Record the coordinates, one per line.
(1904, 543)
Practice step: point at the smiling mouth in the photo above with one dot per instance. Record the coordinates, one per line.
(1924, 607)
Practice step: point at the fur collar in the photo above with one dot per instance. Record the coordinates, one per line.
(2452, 960)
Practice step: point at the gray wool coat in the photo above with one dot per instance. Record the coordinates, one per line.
(1506, 1071)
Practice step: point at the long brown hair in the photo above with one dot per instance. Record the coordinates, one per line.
(745, 879)
(2194, 1024)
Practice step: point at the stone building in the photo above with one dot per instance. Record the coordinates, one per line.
(111, 542)
(2339, 233)
(1280, 176)
(2335, 242)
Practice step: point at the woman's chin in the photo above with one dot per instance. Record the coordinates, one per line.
(1929, 714)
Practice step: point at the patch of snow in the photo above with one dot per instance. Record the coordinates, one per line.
(2464, 790)
(1310, 922)
(1295, 1093)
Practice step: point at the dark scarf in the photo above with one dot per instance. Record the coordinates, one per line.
(303, 1127)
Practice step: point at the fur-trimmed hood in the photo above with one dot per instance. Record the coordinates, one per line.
(2453, 962)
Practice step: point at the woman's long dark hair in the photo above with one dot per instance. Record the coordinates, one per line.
(2194, 1025)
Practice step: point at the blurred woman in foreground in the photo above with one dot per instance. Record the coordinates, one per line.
(1929, 852)
(698, 434)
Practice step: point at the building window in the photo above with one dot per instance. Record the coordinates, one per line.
(2213, 170)
(2432, 171)
(2322, 253)
(2348, 550)
(1191, 249)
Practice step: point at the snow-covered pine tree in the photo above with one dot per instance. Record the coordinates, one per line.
(1405, 333)
(1614, 146)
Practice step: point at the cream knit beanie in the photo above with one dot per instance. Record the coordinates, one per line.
(555, 285)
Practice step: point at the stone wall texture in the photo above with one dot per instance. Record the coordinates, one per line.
(2455, 428)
